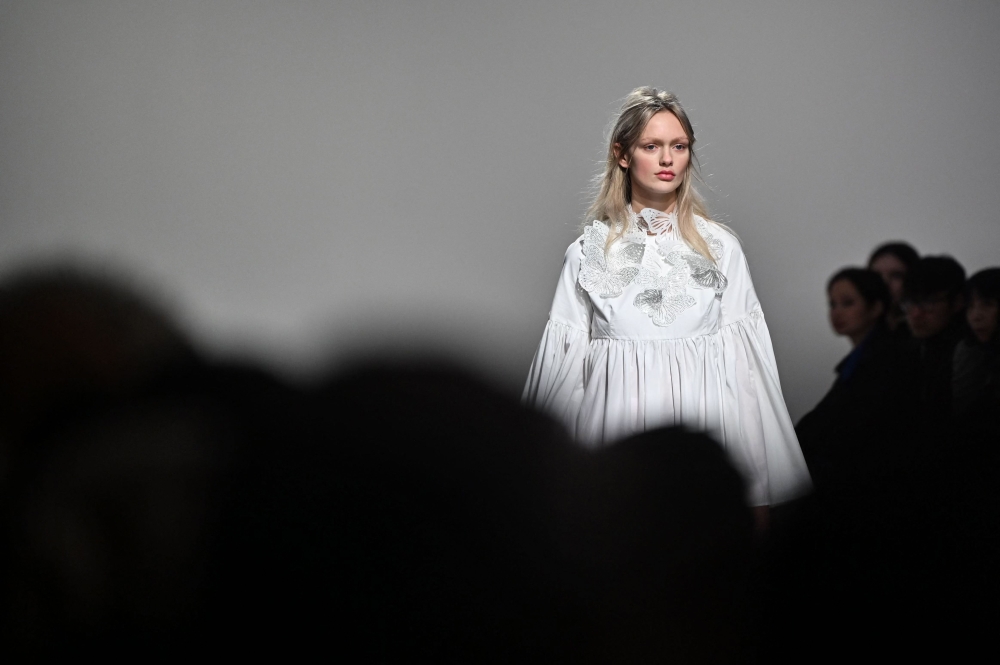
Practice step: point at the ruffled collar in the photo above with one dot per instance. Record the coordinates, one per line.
(654, 221)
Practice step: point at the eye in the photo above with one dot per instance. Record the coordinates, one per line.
(649, 147)
(680, 147)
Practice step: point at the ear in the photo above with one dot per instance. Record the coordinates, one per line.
(622, 156)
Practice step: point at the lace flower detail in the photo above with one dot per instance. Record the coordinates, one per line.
(700, 271)
(665, 295)
(655, 221)
(651, 276)
(714, 244)
(663, 306)
(607, 273)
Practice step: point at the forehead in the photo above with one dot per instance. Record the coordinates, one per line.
(844, 287)
(983, 299)
(664, 124)
(888, 262)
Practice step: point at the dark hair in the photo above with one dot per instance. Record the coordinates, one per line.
(901, 250)
(934, 273)
(984, 284)
(869, 284)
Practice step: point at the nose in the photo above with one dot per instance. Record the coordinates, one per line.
(666, 156)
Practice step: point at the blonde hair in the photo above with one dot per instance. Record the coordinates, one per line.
(614, 187)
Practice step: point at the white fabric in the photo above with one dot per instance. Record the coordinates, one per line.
(653, 335)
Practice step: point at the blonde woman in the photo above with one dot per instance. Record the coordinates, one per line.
(655, 321)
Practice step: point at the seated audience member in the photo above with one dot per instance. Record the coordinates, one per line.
(976, 366)
(71, 335)
(892, 260)
(159, 502)
(68, 328)
(858, 422)
(909, 528)
(934, 304)
(659, 536)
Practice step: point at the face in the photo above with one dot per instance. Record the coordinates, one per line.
(658, 162)
(983, 315)
(893, 272)
(850, 314)
(929, 316)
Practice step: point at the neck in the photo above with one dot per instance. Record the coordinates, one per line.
(666, 205)
(857, 339)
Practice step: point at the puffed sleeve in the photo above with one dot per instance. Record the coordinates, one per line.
(555, 380)
(759, 434)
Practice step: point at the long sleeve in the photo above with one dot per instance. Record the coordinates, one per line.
(555, 380)
(758, 431)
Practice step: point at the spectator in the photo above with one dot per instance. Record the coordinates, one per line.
(934, 304)
(852, 433)
(893, 260)
(976, 367)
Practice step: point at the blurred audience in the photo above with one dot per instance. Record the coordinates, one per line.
(976, 364)
(71, 335)
(157, 502)
(854, 430)
(893, 260)
(934, 302)
(895, 552)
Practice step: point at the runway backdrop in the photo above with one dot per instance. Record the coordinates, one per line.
(304, 181)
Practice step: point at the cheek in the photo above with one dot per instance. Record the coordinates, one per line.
(854, 313)
(942, 314)
(683, 162)
(992, 317)
(640, 161)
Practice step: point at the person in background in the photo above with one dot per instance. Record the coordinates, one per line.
(976, 365)
(934, 302)
(892, 260)
(858, 422)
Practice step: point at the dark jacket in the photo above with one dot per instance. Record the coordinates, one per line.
(975, 385)
(934, 358)
(856, 431)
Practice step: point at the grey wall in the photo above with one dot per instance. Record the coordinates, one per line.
(303, 179)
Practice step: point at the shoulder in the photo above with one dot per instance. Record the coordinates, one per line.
(722, 241)
(593, 240)
(969, 353)
(575, 249)
(712, 229)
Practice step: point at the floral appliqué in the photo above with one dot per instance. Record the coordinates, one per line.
(665, 296)
(607, 273)
(665, 292)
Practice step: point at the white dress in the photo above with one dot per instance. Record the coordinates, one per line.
(654, 334)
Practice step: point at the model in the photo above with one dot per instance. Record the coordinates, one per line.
(655, 321)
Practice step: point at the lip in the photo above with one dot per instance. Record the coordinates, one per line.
(666, 175)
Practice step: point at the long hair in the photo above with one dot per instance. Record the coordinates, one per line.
(614, 186)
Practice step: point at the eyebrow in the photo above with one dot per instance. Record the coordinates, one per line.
(678, 139)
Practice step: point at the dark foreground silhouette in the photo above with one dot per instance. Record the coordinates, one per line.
(408, 512)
